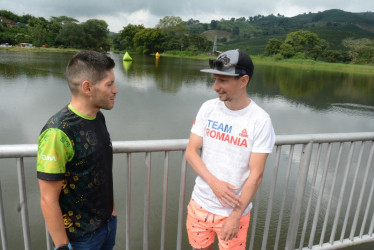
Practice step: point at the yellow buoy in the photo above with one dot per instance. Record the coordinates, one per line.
(157, 55)
(127, 57)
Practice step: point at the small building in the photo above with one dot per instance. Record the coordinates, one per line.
(26, 45)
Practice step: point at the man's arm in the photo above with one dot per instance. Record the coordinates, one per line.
(223, 190)
(257, 162)
(50, 192)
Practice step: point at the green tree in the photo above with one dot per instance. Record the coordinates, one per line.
(307, 42)
(214, 24)
(286, 50)
(37, 30)
(236, 31)
(126, 36)
(63, 20)
(198, 43)
(195, 27)
(173, 25)
(360, 50)
(95, 35)
(272, 47)
(149, 40)
(175, 30)
(71, 36)
(335, 56)
(22, 38)
(38, 34)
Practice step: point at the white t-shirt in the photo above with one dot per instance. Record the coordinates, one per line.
(229, 137)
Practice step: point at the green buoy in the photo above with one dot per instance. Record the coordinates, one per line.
(127, 57)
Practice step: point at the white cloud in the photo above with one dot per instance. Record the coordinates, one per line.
(119, 13)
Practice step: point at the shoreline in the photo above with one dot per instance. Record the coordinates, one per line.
(257, 59)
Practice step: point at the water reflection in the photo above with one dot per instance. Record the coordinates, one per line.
(317, 89)
(32, 65)
(169, 74)
(158, 99)
(126, 65)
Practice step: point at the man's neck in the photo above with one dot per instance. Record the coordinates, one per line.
(84, 108)
(238, 104)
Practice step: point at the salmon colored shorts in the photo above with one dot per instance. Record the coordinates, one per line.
(202, 227)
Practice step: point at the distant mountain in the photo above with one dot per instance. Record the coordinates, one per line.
(252, 34)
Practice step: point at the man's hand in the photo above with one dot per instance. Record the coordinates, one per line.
(230, 228)
(224, 192)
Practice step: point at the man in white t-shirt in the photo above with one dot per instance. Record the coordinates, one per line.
(235, 136)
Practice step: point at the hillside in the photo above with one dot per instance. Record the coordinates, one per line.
(332, 25)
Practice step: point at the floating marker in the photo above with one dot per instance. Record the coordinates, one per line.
(127, 57)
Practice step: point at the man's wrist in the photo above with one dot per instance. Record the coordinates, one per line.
(236, 214)
(64, 247)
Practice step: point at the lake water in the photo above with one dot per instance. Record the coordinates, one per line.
(158, 99)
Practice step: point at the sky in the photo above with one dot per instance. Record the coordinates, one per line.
(120, 13)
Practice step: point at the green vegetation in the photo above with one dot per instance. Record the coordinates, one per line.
(315, 65)
(58, 32)
(330, 36)
(40, 49)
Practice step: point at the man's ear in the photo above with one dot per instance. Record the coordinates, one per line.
(244, 81)
(87, 88)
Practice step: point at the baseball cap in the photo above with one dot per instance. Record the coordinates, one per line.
(231, 63)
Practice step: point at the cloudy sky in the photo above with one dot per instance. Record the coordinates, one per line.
(119, 13)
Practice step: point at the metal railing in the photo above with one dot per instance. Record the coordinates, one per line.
(317, 192)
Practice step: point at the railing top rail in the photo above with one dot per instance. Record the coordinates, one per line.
(149, 146)
(324, 138)
(30, 150)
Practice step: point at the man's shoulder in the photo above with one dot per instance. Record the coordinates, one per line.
(59, 119)
(210, 103)
(260, 112)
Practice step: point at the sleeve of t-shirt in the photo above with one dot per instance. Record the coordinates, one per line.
(264, 137)
(54, 151)
(198, 126)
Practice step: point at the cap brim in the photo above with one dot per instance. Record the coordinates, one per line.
(218, 72)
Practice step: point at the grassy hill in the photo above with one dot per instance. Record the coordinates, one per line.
(332, 25)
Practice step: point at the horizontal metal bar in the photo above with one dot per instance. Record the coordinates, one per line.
(149, 146)
(30, 150)
(341, 244)
(18, 150)
(323, 138)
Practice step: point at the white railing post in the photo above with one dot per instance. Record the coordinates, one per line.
(2, 223)
(299, 195)
(128, 202)
(181, 201)
(23, 203)
(147, 197)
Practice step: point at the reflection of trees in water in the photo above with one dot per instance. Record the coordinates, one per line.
(317, 89)
(169, 73)
(14, 71)
(314, 88)
(30, 64)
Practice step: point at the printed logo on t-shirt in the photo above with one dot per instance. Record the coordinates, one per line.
(244, 133)
(223, 132)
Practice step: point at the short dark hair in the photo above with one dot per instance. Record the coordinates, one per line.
(87, 65)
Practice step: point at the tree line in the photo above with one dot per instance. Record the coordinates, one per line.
(174, 34)
(304, 44)
(171, 33)
(60, 31)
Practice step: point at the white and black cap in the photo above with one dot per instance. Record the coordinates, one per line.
(231, 63)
